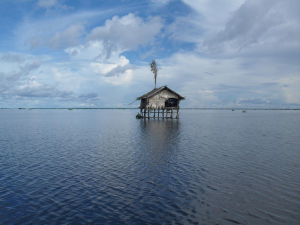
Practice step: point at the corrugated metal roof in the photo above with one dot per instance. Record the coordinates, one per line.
(156, 91)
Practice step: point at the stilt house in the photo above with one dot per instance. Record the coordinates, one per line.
(162, 100)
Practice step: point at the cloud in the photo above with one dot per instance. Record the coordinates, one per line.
(61, 39)
(241, 28)
(272, 84)
(216, 53)
(32, 88)
(86, 105)
(12, 57)
(30, 66)
(88, 52)
(49, 4)
(17, 86)
(213, 13)
(13, 75)
(126, 33)
(67, 37)
(225, 87)
(253, 101)
(271, 22)
(55, 31)
(187, 29)
(9, 81)
(17, 83)
(119, 70)
(24, 70)
(204, 17)
(88, 96)
(186, 73)
(286, 85)
(117, 35)
(46, 3)
(163, 2)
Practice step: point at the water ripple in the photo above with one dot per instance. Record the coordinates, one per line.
(106, 167)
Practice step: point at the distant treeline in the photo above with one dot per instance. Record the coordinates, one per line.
(180, 108)
(67, 108)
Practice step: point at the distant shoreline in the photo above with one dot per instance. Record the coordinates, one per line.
(180, 108)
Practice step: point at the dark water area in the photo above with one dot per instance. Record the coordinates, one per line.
(106, 167)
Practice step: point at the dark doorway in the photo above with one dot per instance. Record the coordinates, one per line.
(171, 102)
(143, 103)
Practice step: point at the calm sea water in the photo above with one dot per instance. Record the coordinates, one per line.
(106, 167)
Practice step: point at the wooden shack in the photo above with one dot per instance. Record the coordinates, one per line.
(160, 103)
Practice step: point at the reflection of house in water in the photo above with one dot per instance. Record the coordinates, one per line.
(162, 100)
(161, 141)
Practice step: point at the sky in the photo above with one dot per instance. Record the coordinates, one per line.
(96, 53)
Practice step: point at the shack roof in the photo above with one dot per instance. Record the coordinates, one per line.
(156, 91)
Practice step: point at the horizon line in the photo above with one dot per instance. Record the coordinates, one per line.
(223, 108)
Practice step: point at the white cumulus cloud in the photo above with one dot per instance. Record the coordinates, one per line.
(126, 33)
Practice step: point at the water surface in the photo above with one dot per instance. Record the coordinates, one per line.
(106, 167)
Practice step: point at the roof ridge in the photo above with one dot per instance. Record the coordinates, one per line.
(155, 90)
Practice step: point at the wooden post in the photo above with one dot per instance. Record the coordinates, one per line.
(141, 112)
(158, 113)
(177, 117)
(172, 114)
(163, 113)
(144, 112)
(148, 113)
(154, 114)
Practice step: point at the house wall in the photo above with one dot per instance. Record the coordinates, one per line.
(143, 103)
(158, 100)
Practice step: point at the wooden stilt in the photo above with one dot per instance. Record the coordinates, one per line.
(170, 113)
